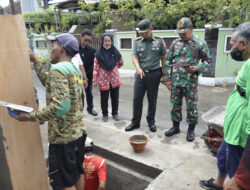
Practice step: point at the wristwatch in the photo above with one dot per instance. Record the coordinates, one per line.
(85, 79)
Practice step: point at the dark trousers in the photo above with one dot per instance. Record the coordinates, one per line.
(114, 93)
(89, 96)
(228, 159)
(150, 84)
(65, 163)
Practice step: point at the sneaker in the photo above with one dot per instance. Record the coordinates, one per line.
(208, 184)
(116, 117)
(105, 118)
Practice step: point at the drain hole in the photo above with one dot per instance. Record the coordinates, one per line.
(124, 173)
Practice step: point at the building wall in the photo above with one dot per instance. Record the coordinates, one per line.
(35, 40)
(29, 6)
(127, 54)
(225, 65)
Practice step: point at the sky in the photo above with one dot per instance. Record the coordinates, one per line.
(4, 3)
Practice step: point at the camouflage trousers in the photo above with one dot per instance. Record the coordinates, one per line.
(191, 96)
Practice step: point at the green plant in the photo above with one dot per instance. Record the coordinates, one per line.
(164, 15)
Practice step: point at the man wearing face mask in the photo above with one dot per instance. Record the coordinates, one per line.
(237, 118)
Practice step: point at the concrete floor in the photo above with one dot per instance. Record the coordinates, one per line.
(183, 164)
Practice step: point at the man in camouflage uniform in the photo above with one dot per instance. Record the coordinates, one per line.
(148, 51)
(182, 71)
(66, 130)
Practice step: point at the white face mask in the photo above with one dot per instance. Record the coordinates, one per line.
(107, 47)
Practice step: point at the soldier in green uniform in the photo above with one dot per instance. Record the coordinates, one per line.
(148, 51)
(182, 71)
(66, 130)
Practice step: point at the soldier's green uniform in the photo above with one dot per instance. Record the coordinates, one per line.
(149, 52)
(182, 54)
(64, 103)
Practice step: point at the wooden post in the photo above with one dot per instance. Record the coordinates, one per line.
(12, 7)
(20, 142)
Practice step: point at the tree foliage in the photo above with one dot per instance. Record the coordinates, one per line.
(45, 21)
(163, 13)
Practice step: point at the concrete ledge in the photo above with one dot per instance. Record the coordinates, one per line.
(134, 165)
(127, 73)
(121, 178)
(205, 81)
(183, 163)
(220, 81)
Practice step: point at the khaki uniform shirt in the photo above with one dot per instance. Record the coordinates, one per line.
(149, 51)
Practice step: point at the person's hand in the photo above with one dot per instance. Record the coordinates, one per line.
(32, 56)
(191, 69)
(22, 116)
(169, 85)
(85, 83)
(140, 73)
(231, 185)
(162, 79)
(95, 84)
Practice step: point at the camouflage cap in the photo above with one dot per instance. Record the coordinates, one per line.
(183, 25)
(144, 25)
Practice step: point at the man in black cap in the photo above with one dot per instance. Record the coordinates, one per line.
(148, 51)
(87, 54)
(63, 111)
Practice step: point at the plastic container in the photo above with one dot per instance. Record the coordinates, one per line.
(138, 142)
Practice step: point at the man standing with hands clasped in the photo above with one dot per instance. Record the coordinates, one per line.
(182, 71)
(87, 54)
(148, 51)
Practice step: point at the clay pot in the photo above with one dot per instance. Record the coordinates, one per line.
(138, 142)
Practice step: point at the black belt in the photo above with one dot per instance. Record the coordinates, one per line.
(241, 91)
(148, 70)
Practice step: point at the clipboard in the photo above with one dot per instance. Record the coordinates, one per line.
(14, 109)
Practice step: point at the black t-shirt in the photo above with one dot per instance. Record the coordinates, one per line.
(87, 55)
